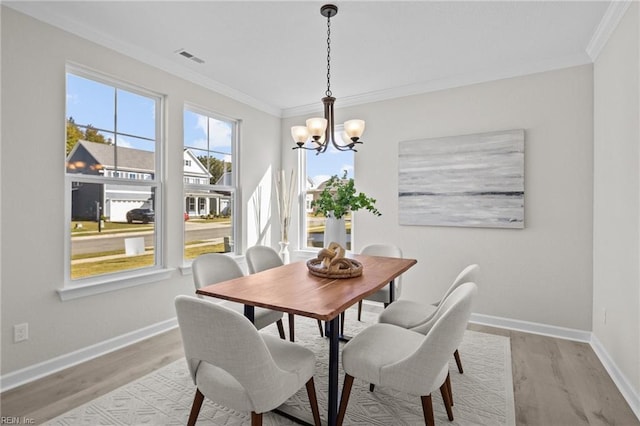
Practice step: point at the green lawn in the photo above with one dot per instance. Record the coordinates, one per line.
(125, 263)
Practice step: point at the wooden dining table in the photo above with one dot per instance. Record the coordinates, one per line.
(293, 289)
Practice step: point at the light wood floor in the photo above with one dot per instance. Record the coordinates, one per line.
(556, 382)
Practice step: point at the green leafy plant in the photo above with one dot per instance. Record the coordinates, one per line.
(339, 197)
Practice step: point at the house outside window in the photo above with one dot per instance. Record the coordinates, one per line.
(317, 171)
(210, 184)
(113, 184)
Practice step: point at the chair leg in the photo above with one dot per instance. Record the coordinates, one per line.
(456, 355)
(344, 399)
(292, 336)
(359, 310)
(281, 329)
(448, 383)
(256, 419)
(427, 410)
(371, 387)
(444, 391)
(311, 393)
(195, 408)
(320, 328)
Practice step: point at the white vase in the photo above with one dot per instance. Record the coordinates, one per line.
(284, 252)
(335, 230)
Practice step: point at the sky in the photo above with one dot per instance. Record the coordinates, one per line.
(220, 135)
(332, 162)
(93, 103)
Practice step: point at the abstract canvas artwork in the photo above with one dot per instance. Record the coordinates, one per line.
(471, 180)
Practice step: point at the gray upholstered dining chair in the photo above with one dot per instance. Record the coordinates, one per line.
(383, 295)
(418, 316)
(234, 365)
(410, 362)
(212, 268)
(260, 258)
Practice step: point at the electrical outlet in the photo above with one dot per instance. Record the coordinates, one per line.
(20, 332)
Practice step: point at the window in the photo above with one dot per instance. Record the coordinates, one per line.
(318, 169)
(113, 183)
(210, 180)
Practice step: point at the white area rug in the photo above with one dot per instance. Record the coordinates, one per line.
(483, 395)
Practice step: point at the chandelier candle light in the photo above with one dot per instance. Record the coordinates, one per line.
(319, 131)
(284, 194)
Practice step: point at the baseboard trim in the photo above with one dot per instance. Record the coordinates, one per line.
(37, 371)
(622, 383)
(628, 392)
(532, 327)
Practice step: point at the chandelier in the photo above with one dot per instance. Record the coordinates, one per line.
(320, 131)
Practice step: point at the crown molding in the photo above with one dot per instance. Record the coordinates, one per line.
(493, 74)
(49, 16)
(606, 27)
(608, 23)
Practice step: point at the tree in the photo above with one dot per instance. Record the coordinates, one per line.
(216, 167)
(340, 197)
(75, 133)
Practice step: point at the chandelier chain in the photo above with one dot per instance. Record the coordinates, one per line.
(328, 92)
(320, 131)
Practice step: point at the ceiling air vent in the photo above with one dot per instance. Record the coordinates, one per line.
(190, 56)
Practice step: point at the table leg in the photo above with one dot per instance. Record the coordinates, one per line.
(333, 331)
(341, 336)
(392, 291)
(249, 312)
(291, 328)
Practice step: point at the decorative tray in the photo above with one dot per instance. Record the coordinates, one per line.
(331, 263)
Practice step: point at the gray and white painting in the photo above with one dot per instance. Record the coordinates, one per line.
(472, 180)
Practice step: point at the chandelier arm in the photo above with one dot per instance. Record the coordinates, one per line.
(305, 147)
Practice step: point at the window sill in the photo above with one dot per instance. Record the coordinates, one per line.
(113, 284)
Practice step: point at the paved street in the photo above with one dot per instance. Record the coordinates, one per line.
(115, 241)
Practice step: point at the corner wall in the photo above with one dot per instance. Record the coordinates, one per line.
(616, 222)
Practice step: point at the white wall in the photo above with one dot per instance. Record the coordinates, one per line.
(542, 273)
(32, 153)
(616, 254)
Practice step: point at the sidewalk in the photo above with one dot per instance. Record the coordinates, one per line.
(147, 251)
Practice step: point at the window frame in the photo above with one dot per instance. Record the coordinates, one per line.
(302, 198)
(74, 288)
(233, 189)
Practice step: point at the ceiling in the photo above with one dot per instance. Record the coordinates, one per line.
(272, 55)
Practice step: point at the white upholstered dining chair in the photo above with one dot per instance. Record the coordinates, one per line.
(260, 258)
(383, 295)
(212, 268)
(410, 362)
(234, 365)
(418, 316)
